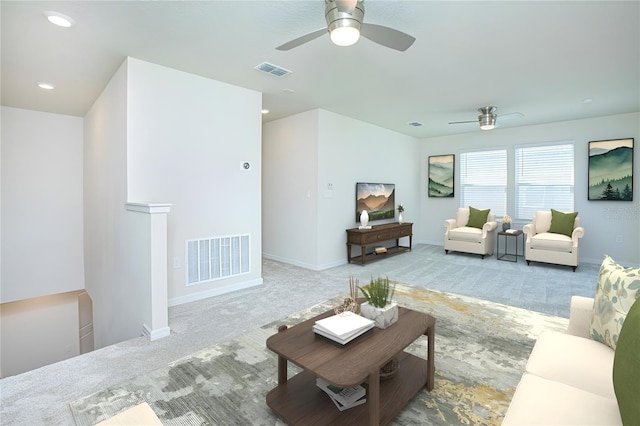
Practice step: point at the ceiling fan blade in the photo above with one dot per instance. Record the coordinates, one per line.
(387, 36)
(461, 122)
(302, 40)
(346, 6)
(510, 116)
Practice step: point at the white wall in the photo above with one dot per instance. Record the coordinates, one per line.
(41, 204)
(311, 163)
(187, 138)
(116, 298)
(603, 220)
(290, 189)
(161, 135)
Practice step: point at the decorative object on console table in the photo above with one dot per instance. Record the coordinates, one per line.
(400, 211)
(364, 220)
(379, 306)
(506, 222)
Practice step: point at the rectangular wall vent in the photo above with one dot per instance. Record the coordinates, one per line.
(216, 258)
(272, 69)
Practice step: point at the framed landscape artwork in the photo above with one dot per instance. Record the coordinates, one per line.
(441, 175)
(378, 199)
(611, 170)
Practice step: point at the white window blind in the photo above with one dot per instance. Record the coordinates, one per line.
(544, 178)
(483, 180)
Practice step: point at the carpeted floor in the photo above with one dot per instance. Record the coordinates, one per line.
(42, 396)
(481, 348)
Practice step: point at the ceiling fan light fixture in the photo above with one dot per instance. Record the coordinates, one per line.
(487, 123)
(345, 36)
(487, 117)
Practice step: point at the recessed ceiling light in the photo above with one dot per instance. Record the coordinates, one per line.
(264, 111)
(415, 123)
(59, 19)
(46, 86)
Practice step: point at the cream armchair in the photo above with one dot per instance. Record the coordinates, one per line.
(550, 247)
(460, 237)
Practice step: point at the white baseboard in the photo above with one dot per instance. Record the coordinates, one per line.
(214, 292)
(304, 265)
(155, 334)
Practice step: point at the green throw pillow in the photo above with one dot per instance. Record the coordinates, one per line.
(562, 223)
(477, 218)
(617, 290)
(626, 374)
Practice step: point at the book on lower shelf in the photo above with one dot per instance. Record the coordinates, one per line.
(380, 250)
(344, 327)
(343, 398)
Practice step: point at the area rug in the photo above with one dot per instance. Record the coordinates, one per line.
(481, 349)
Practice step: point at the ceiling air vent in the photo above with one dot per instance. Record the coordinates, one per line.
(272, 69)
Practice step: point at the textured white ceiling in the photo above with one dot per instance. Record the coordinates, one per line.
(535, 57)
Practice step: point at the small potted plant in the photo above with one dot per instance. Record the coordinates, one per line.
(379, 306)
(506, 222)
(400, 211)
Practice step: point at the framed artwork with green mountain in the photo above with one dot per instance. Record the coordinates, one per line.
(441, 175)
(611, 170)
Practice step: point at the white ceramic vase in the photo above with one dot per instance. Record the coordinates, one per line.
(364, 218)
(400, 218)
(383, 317)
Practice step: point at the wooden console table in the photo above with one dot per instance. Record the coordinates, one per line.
(377, 235)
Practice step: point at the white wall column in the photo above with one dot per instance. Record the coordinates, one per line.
(156, 323)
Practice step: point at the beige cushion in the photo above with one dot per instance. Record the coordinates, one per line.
(553, 242)
(540, 401)
(574, 361)
(542, 221)
(466, 233)
(618, 288)
(462, 217)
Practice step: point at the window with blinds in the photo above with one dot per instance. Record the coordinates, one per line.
(216, 258)
(483, 180)
(544, 178)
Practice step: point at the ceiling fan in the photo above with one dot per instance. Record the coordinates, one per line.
(488, 117)
(344, 24)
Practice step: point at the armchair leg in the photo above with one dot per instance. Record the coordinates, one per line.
(482, 256)
(574, 268)
(528, 262)
(446, 251)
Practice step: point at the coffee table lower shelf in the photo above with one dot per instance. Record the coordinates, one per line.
(299, 401)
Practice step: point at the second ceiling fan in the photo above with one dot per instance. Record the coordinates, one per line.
(345, 25)
(488, 117)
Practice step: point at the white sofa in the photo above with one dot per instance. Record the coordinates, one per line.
(460, 237)
(568, 378)
(544, 246)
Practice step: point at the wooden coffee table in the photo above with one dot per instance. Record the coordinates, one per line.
(299, 401)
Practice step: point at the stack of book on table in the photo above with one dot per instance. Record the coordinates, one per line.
(344, 327)
(343, 398)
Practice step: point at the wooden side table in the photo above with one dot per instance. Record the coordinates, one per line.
(509, 257)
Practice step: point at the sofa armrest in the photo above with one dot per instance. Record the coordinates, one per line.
(580, 315)
(488, 227)
(529, 230)
(450, 224)
(576, 235)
